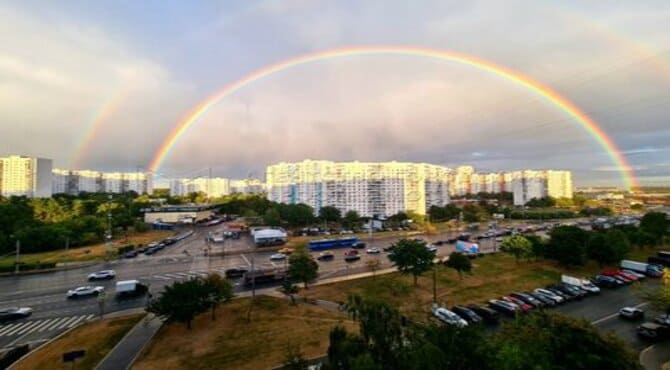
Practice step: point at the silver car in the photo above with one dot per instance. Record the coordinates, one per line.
(84, 291)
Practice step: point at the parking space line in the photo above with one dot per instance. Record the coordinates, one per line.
(160, 277)
(28, 328)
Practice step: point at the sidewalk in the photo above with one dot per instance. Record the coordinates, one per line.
(653, 357)
(129, 348)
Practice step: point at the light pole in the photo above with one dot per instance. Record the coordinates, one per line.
(18, 254)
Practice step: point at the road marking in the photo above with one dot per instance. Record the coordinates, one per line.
(77, 321)
(17, 328)
(184, 274)
(7, 328)
(173, 276)
(56, 323)
(67, 323)
(27, 328)
(615, 314)
(49, 322)
(245, 259)
(42, 325)
(90, 317)
(160, 277)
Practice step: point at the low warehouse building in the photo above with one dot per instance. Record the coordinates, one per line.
(265, 237)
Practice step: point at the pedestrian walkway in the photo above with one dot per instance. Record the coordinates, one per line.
(183, 274)
(129, 348)
(45, 325)
(653, 357)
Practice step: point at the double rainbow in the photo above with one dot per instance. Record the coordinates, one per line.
(531, 85)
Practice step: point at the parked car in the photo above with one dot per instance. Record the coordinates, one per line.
(84, 291)
(546, 301)
(431, 247)
(549, 294)
(14, 313)
(653, 331)
(638, 275)
(523, 306)
(130, 254)
(631, 313)
(528, 299)
(351, 252)
(505, 308)
(576, 290)
(467, 314)
(102, 275)
(490, 316)
(285, 250)
(388, 249)
(663, 320)
(236, 272)
(570, 293)
(606, 281)
(325, 256)
(619, 275)
(278, 257)
(449, 317)
(373, 250)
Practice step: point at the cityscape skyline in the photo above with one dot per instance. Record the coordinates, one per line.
(111, 101)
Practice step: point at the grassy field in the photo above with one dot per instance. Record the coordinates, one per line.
(492, 276)
(231, 342)
(88, 253)
(96, 338)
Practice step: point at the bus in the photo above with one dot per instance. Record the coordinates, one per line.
(319, 245)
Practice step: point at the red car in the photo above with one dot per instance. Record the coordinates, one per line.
(352, 252)
(628, 277)
(522, 305)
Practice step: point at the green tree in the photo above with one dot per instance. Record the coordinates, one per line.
(599, 250)
(297, 214)
(518, 246)
(448, 212)
(411, 257)
(219, 290)
(289, 289)
(459, 262)
(181, 301)
(568, 245)
(545, 202)
(471, 213)
(302, 267)
(655, 223)
(545, 340)
(351, 220)
(538, 246)
(330, 214)
(272, 217)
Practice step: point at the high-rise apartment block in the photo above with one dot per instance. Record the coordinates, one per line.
(80, 181)
(25, 176)
(527, 185)
(369, 188)
(215, 186)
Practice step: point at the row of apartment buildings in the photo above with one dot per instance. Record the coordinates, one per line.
(215, 187)
(390, 187)
(77, 181)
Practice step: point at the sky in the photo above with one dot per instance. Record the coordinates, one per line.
(101, 84)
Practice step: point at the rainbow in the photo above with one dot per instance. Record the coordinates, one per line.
(99, 118)
(531, 85)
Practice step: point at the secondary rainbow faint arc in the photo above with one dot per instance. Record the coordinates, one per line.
(538, 88)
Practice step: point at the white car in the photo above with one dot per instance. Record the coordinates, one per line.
(449, 317)
(431, 247)
(278, 257)
(84, 291)
(631, 313)
(102, 275)
(549, 294)
(373, 250)
(634, 273)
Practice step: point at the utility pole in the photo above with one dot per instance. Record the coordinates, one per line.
(434, 284)
(108, 237)
(18, 254)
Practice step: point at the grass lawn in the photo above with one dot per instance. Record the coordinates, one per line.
(492, 276)
(96, 338)
(88, 253)
(231, 342)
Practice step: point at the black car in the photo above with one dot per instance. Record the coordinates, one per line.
(452, 240)
(467, 314)
(571, 294)
(150, 251)
(490, 316)
(439, 242)
(621, 279)
(325, 256)
(561, 293)
(653, 331)
(388, 249)
(464, 237)
(352, 257)
(235, 272)
(503, 307)
(358, 245)
(547, 302)
(603, 281)
(527, 298)
(130, 254)
(14, 313)
(169, 241)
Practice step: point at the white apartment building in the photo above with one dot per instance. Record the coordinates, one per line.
(527, 185)
(25, 176)
(215, 186)
(369, 188)
(78, 181)
(461, 180)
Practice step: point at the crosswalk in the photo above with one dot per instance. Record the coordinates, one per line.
(184, 275)
(45, 325)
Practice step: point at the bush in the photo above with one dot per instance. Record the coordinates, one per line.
(28, 267)
(126, 248)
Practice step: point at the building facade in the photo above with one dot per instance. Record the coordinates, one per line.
(25, 176)
(371, 189)
(79, 181)
(215, 187)
(527, 185)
